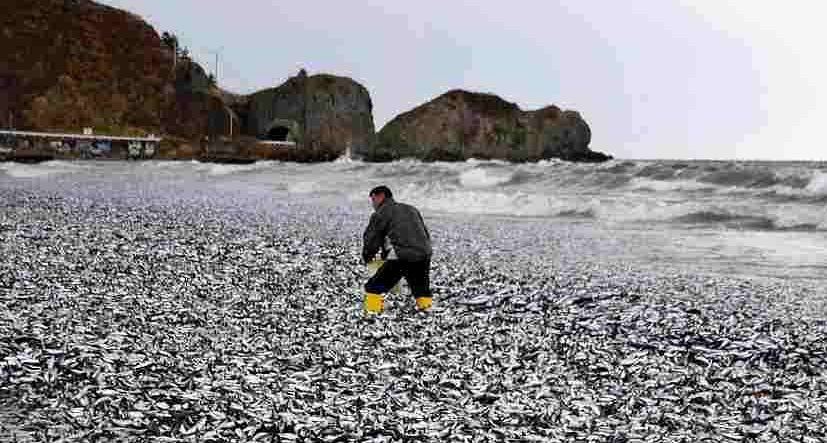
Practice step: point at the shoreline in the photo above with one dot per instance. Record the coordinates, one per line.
(38, 158)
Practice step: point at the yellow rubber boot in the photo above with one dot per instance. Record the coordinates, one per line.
(373, 303)
(423, 303)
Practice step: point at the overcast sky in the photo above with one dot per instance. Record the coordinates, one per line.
(716, 79)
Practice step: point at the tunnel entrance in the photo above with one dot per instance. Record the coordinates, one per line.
(278, 133)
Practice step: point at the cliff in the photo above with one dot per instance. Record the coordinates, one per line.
(75, 63)
(70, 64)
(326, 114)
(459, 125)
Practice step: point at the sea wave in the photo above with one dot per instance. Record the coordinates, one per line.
(818, 184)
(52, 167)
(710, 216)
(695, 193)
(448, 199)
(169, 164)
(647, 184)
(483, 178)
(228, 169)
(648, 176)
(757, 222)
(799, 184)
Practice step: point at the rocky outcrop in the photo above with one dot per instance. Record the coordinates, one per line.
(325, 114)
(459, 125)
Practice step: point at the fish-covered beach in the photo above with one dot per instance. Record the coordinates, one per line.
(627, 301)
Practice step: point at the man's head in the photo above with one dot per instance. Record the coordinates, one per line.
(378, 195)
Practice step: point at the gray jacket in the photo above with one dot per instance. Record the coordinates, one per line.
(401, 224)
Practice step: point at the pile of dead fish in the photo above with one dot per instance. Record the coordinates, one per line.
(186, 323)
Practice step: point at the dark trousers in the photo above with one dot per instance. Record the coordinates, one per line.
(417, 274)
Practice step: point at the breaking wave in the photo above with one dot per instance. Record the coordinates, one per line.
(817, 184)
(747, 221)
(52, 167)
(763, 196)
(743, 195)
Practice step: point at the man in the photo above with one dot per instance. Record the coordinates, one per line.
(399, 231)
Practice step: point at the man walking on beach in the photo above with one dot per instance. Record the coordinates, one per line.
(399, 232)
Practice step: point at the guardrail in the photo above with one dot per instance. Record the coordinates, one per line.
(22, 145)
(80, 136)
(276, 143)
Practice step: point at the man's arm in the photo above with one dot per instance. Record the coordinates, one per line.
(374, 236)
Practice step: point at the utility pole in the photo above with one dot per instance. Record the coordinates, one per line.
(215, 67)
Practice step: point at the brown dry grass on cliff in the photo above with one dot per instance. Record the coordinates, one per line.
(481, 103)
(80, 63)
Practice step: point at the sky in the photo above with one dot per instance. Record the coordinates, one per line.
(668, 79)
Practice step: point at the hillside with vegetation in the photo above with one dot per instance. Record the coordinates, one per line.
(70, 64)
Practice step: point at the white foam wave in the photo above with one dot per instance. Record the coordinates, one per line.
(646, 184)
(53, 167)
(483, 178)
(550, 162)
(637, 210)
(449, 198)
(345, 160)
(226, 169)
(818, 184)
(169, 164)
(794, 216)
(789, 216)
(307, 187)
(440, 198)
(478, 161)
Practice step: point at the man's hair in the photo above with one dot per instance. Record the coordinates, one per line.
(382, 190)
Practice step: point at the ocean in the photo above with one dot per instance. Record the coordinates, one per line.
(751, 219)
